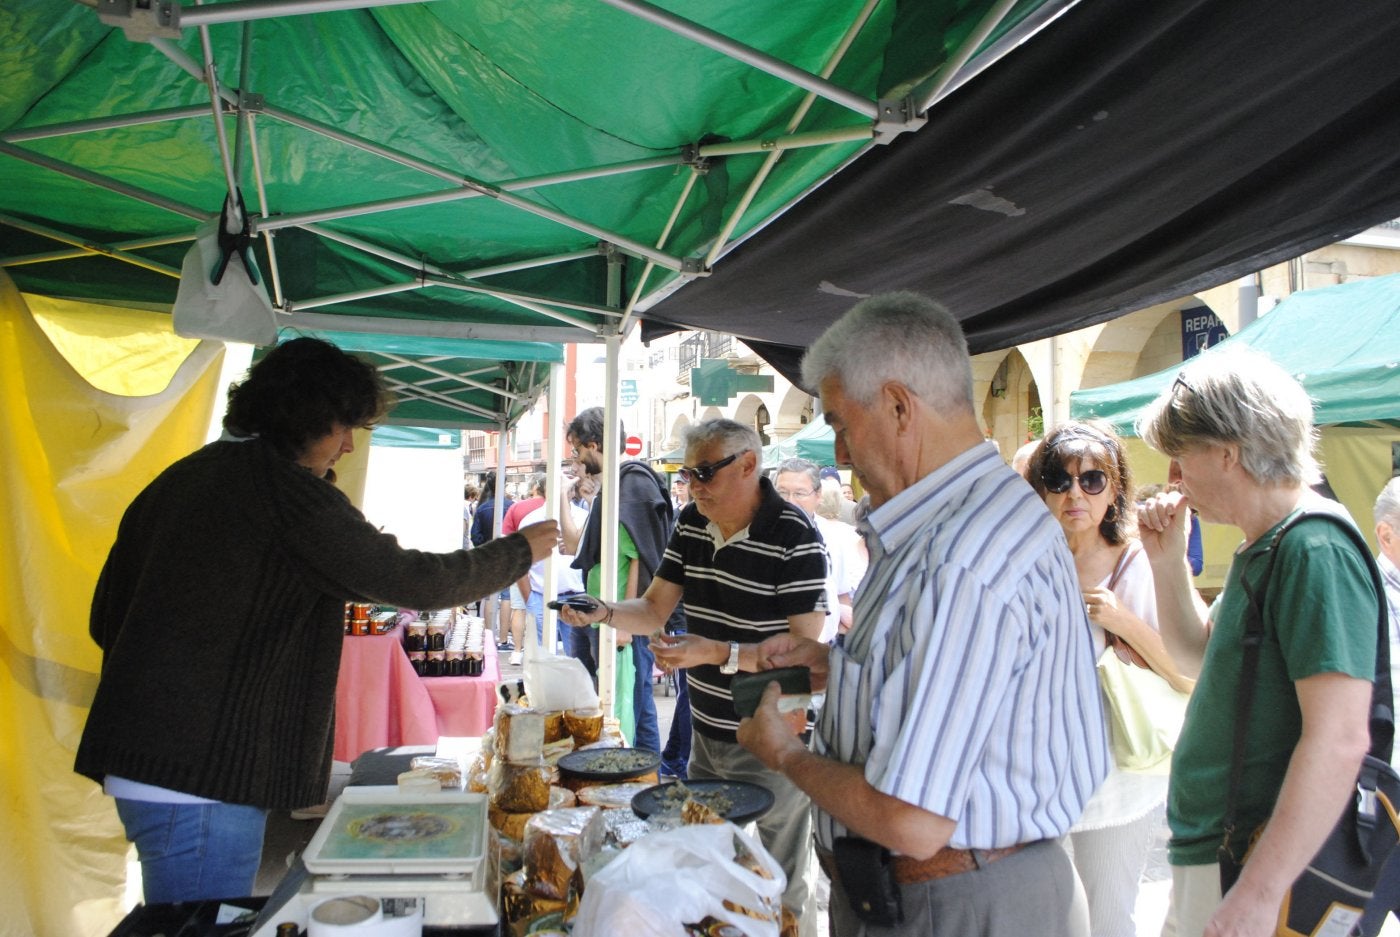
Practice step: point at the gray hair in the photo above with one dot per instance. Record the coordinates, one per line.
(736, 436)
(1387, 510)
(536, 483)
(902, 337)
(810, 469)
(1242, 398)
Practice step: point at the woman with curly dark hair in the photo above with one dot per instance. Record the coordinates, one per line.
(1079, 469)
(220, 616)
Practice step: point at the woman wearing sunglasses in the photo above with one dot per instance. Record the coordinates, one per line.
(1080, 471)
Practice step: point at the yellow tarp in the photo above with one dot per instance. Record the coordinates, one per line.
(73, 457)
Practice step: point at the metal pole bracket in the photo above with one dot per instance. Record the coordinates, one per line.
(897, 116)
(142, 20)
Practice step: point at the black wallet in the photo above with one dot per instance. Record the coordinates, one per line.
(866, 873)
(747, 688)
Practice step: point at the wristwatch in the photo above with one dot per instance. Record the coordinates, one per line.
(731, 666)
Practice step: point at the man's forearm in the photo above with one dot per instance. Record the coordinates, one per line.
(1181, 615)
(842, 791)
(635, 616)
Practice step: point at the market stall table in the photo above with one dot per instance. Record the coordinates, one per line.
(382, 702)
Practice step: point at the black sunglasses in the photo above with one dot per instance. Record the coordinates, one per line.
(1092, 482)
(704, 473)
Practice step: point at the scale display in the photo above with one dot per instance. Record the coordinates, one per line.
(371, 830)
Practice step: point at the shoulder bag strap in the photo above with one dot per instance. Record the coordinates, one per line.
(1382, 721)
(1129, 551)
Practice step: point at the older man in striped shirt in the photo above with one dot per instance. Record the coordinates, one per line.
(747, 565)
(962, 732)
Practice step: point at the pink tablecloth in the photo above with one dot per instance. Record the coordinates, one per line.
(381, 702)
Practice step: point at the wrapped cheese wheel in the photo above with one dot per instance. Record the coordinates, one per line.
(610, 796)
(555, 728)
(556, 844)
(520, 788)
(519, 734)
(520, 908)
(584, 725)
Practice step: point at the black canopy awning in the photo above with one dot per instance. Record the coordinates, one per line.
(1124, 156)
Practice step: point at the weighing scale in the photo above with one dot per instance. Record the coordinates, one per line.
(387, 844)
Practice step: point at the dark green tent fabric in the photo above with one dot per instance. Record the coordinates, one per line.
(508, 150)
(814, 442)
(1342, 343)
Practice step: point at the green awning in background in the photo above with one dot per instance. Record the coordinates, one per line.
(1342, 343)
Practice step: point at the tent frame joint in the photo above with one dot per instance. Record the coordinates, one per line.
(250, 102)
(693, 156)
(897, 116)
(142, 20)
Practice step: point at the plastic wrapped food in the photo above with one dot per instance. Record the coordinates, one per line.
(448, 771)
(520, 788)
(612, 795)
(555, 728)
(585, 726)
(519, 734)
(556, 844)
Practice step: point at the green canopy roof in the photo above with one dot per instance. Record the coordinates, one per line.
(466, 168)
(814, 442)
(1342, 343)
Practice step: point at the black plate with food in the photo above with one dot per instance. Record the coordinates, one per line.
(609, 764)
(736, 801)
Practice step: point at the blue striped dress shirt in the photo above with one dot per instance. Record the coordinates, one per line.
(966, 685)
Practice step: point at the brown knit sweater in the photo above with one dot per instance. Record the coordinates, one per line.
(220, 617)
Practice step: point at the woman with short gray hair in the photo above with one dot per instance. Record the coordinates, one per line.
(1239, 432)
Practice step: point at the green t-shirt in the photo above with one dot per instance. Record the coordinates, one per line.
(625, 675)
(1319, 617)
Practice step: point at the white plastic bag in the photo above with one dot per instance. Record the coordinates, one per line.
(233, 310)
(557, 683)
(666, 880)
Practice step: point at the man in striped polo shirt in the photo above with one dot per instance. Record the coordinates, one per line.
(749, 565)
(962, 732)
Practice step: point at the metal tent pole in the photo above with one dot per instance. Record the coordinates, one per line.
(554, 452)
(748, 55)
(86, 247)
(926, 96)
(612, 448)
(793, 123)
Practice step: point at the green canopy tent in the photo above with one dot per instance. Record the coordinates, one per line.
(1343, 345)
(814, 442)
(474, 168)
(1341, 342)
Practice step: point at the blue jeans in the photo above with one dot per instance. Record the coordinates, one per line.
(675, 757)
(582, 643)
(194, 852)
(648, 735)
(535, 606)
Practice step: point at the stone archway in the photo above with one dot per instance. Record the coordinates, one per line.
(1007, 399)
(673, 440)
(752, 411)
(796, 410)
(1130, 346)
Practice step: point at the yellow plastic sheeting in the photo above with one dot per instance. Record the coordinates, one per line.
(1357, 463)
(73, 457)
(121, 351)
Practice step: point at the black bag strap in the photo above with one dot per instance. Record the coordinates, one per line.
(1382, 720)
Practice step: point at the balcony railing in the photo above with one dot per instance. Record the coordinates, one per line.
(702, 345)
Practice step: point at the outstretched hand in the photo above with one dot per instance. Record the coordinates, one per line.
(788, 650)
(543, 538)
